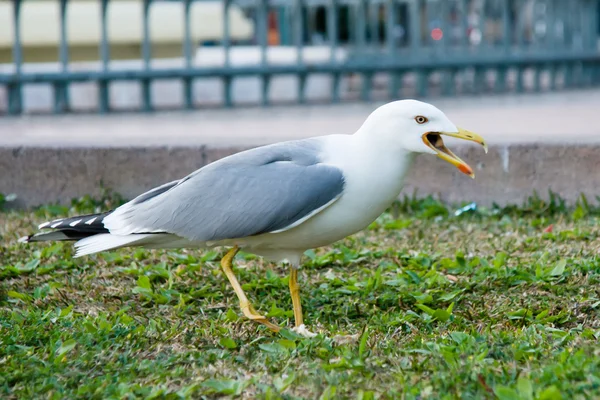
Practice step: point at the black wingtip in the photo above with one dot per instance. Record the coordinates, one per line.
(88, 224)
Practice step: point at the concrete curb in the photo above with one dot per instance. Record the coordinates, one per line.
(507, 174)
(537, 142)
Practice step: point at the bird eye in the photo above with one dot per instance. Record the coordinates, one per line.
(421, 119)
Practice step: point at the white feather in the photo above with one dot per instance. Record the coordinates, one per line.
(46, 224)
(119, 222)
(106, 241)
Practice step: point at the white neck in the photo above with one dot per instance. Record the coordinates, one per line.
(383, 150)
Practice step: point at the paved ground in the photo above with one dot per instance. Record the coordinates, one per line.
(537, 142)
(557, 118)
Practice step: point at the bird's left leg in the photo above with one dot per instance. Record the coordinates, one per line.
(247, 309)
(300, 328)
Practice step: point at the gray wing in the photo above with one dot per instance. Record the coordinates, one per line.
(262, 190)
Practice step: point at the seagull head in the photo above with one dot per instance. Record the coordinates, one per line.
(415, 126)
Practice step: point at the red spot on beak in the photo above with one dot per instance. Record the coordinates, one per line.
(465, 169)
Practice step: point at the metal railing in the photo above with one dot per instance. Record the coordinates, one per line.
(321, 50)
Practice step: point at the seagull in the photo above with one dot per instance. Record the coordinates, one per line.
(278, 200)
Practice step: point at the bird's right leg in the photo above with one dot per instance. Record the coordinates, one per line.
(300, 328)
(247, 309)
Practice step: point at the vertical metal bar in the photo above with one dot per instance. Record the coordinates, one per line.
(397, 84)
(575, 69)
(500, 82)
(390, 23)
(283, 25)
(310, 23)
(391, 45)
(262, 15)
(361, 26)
(332, 28)
(188, 97)
(299, 29)
(64, 47)
(465, 21)
(479, 80)
(187, 33)
(520, 30)
(571, 23)
(596, 37)
(568, 25)
(61, 98)
(427, 12)
(506, 28)
(415, 10)
(586, 74)
(448, 88)
(332, 31)
(577, 73)
(423, 83)
(146, 55)
(227, 81)
(537, 77)
(227, 31)
(582, 24)
(365, 92)
(552, 76)
(567, 75)
(584, 27)
(519, 86)
(485, 41)
(299, 41)
(550, 25)
(442, 44)
(15, 93)
(373, 14)
(594, 23)
(580, 74)
(104, 97)
(591, 23)
(415, 25)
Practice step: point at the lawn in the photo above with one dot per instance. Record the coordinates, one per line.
(493, 303)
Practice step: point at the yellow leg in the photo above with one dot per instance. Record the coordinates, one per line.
(295, 293)
(247, 309)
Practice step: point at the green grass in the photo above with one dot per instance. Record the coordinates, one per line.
(424, 304)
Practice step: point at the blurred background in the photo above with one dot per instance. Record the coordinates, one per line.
(130, 94)
(62, 56)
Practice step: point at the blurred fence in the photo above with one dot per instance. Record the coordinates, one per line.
(103, 55)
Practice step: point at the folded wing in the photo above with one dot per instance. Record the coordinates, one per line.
(266, 189)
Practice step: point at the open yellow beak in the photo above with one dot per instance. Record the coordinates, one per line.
(434, 141)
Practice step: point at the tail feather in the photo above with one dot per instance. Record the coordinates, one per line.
(91, 235)
(90, 223)
(60, 235)
(106, 241)
(74, 228)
